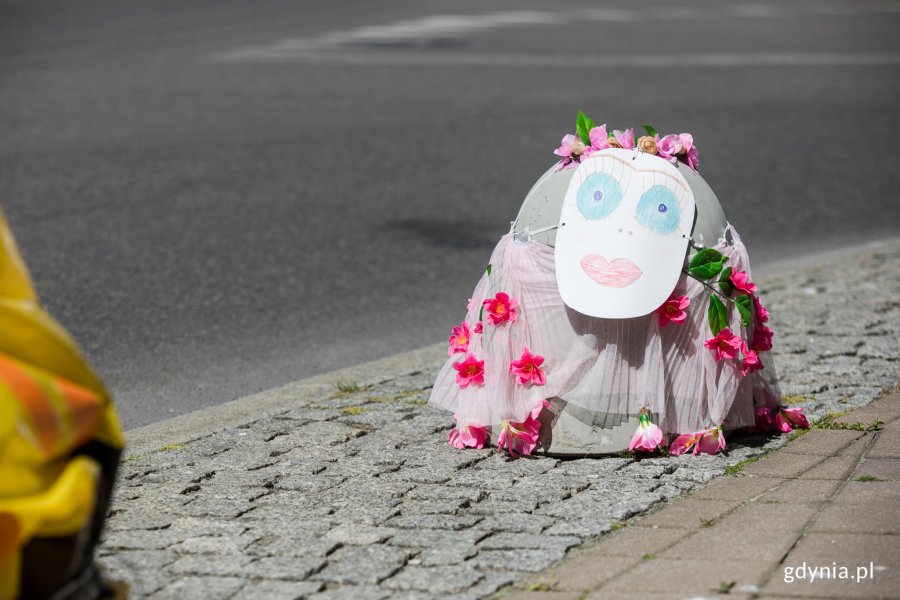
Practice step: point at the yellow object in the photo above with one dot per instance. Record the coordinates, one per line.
(51, 403)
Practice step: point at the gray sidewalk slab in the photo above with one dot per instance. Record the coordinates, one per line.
(765, 535)
(324, 491)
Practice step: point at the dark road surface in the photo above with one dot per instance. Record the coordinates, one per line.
(221, 197)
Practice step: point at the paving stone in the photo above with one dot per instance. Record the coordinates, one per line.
(856, 518)
(588, 570)
(869, 492)
(434, 521)
(516, 523)
(783, 464)
(210, 564)
(690, 576)
(688, 513)
(530, 561)
(359, 535)
(280, 590)
(201, 588)
(637, 541)
(779, 517)
(353, 592)
(887, 445)
(512, 541)
(452, 554)
(803, 490)
(582, 527)
(835, 467)
(435, 580)
(823, 442)
(436, 538)
(740, 488)
(359, 565)
(751, 543)
(880, 468)
(281, 567)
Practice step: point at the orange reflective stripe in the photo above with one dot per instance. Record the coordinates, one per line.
(84, 409)
(44, 418)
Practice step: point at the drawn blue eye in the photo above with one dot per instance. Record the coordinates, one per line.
(658, 210)
(599, 196)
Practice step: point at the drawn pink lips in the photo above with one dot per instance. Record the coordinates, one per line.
(617, 273)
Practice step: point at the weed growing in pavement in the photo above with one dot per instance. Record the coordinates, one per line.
(738, 467)
(541, 585)
(707, 523)
(829, 421)
(868, 478)
(796, 399)
(353, 410)
(725, 587)
(172, 447)
(648, 556)
(345, 388)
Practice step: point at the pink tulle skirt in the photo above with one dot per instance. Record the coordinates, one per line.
(609, 366)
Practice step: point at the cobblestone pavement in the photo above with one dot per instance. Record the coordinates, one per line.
(357, 494)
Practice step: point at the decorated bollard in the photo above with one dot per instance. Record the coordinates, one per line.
(618, 313)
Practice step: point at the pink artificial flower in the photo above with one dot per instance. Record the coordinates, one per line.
(459, 339)
(672, 310)
(521, 438)
(647, 437)
(708, 441)
(570, 149)
(742, 282)
(762, 314)
(762, 339)
(527, 368)
(765, 418)
(692, 158)
(670, 147)
(789, 419)
(599, 140)
(711, 442)
(725, 345)
(625, 138)
(468, 371)
(750, 361)
(470, 435)
(684, 442)
(779, 418)
(479, 328)
(501, 308)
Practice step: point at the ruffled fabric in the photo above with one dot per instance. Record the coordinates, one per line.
(603, 365)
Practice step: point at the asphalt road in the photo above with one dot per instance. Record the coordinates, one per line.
(220, 197)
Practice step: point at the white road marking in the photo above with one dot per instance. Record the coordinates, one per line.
(435, 31)
(631, 61)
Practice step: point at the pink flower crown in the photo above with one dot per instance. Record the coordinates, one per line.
(590, 138)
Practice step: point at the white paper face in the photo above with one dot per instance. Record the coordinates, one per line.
(627, 218)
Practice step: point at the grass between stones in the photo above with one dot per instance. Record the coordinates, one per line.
(829, 421)
(736, 469)
(868, 478)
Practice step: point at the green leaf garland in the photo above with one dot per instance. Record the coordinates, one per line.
(725, 282)
(583, 126)
(718, 315)
(707, 263)
(743, 303)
